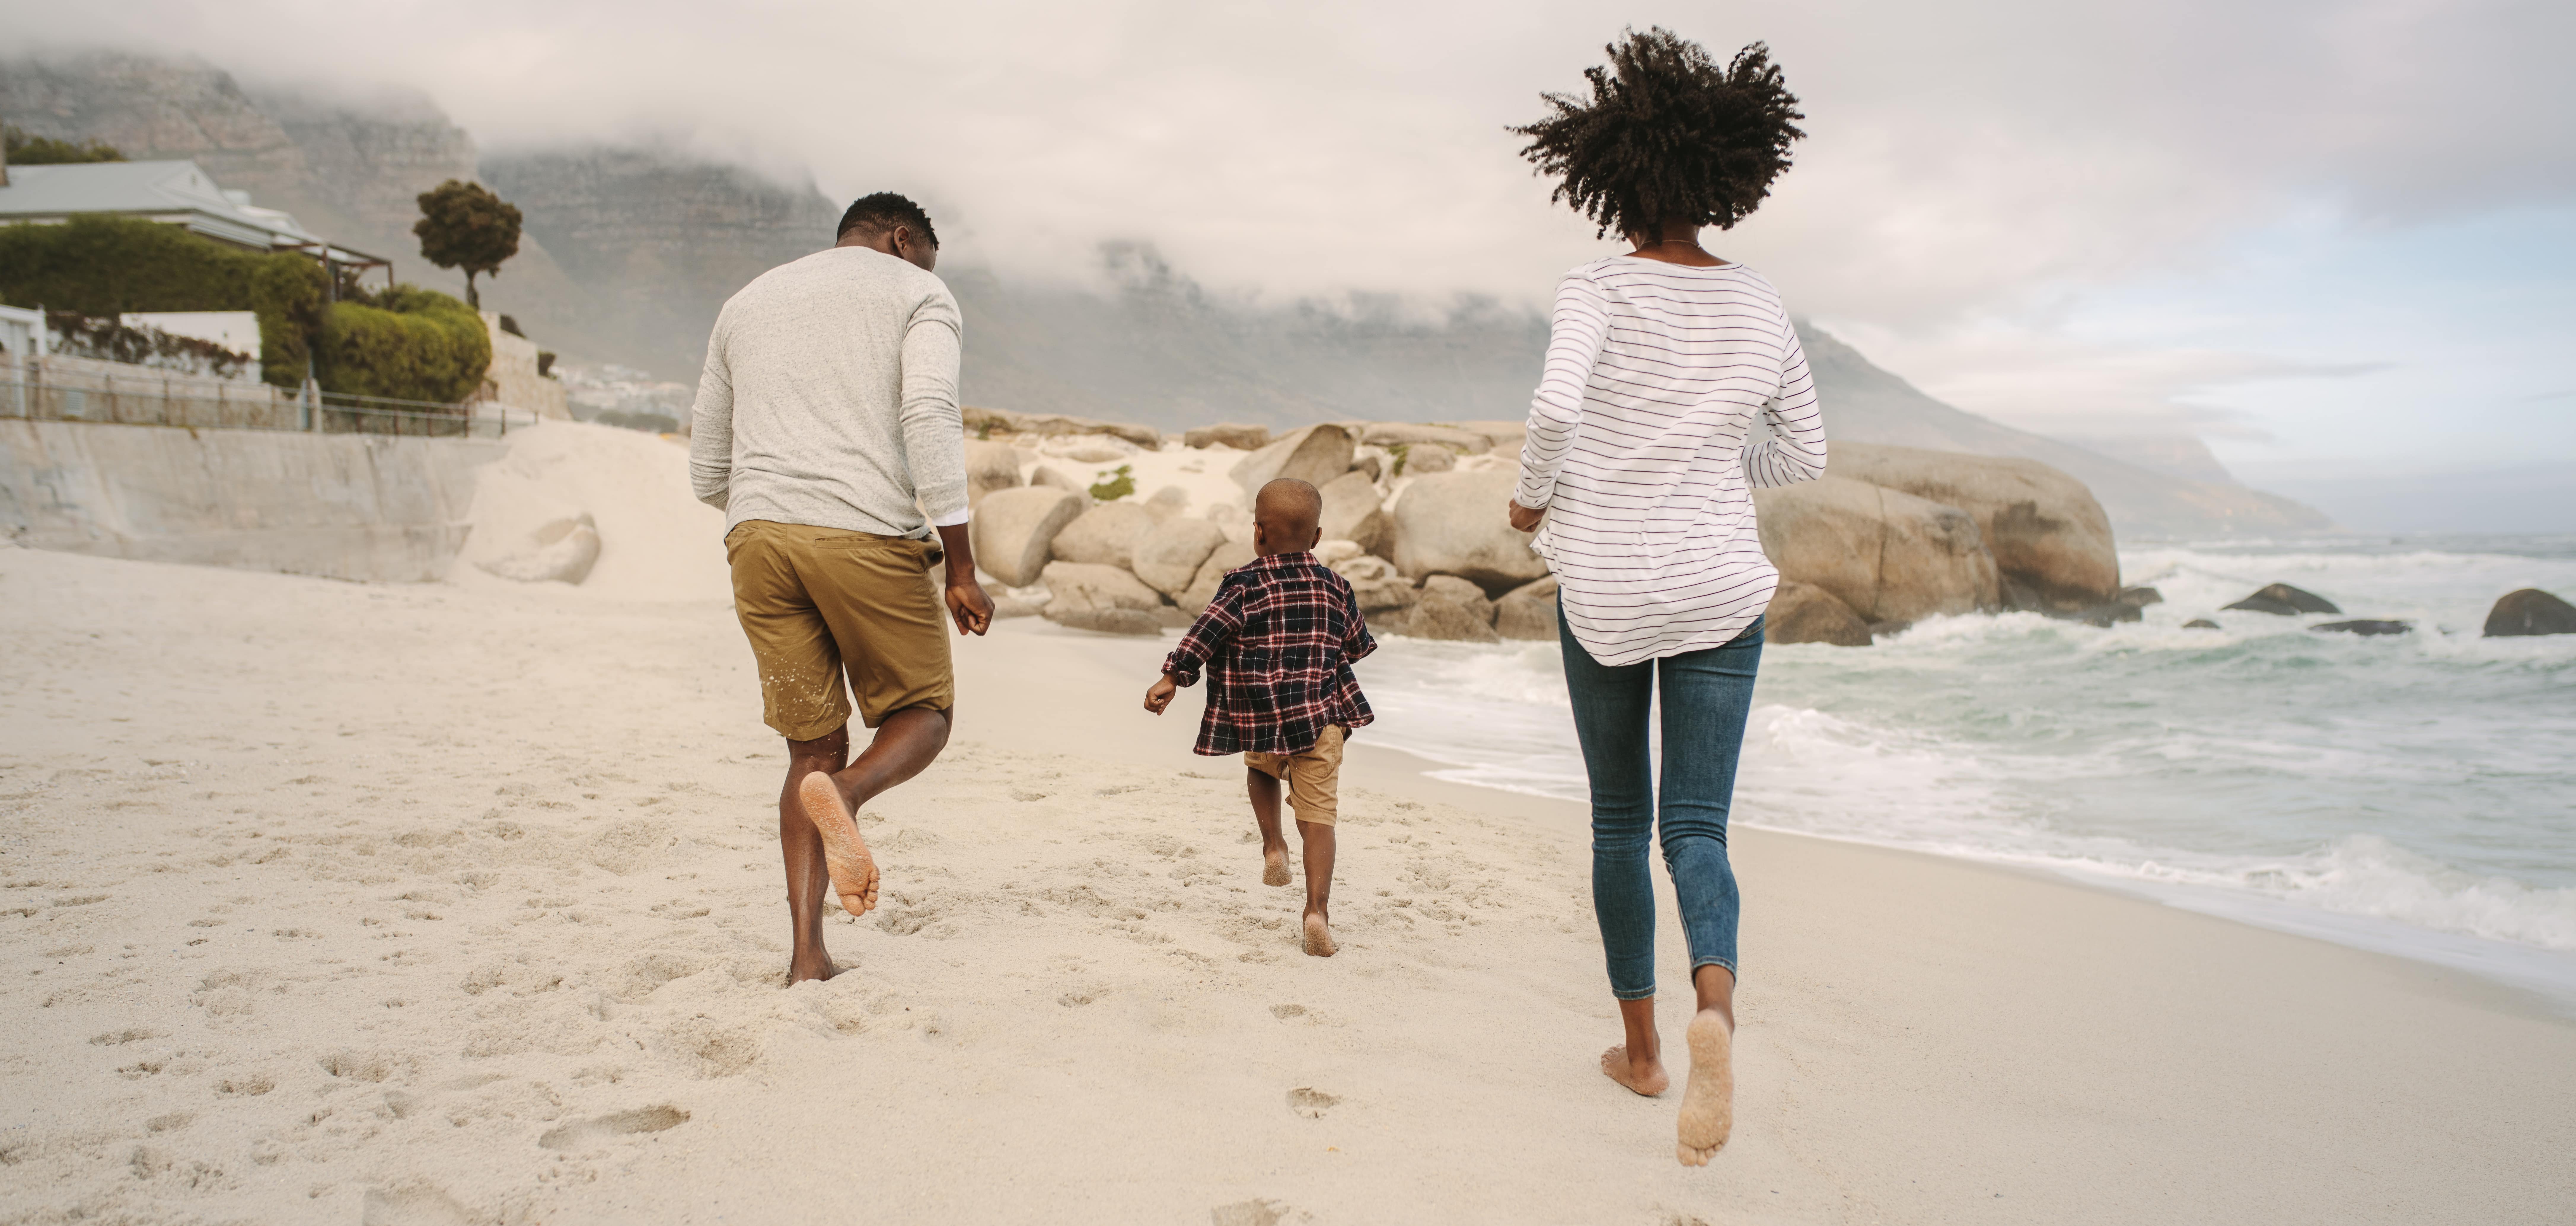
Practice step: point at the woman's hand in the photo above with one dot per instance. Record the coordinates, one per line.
(1525, 519)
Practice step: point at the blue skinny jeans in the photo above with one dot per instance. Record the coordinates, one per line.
(1707, 695)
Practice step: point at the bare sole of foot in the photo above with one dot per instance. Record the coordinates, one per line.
(1274, 869)
(1319, 937)
(1614, 1064)
(854, 871)
(1708, 1100)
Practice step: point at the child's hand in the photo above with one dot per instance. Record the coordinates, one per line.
(1159, 695)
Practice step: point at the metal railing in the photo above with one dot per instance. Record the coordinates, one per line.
(80, 389)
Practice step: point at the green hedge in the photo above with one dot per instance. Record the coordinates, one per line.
(407, 342)
(111, 265)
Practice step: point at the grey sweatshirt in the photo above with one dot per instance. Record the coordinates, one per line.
(830, 399)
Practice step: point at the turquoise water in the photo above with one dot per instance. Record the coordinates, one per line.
(2413, 794)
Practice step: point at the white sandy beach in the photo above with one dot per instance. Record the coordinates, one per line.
(460, 903)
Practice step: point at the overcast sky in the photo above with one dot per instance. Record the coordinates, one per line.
(2333, 239)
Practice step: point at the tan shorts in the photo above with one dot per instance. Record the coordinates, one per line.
(1313, 775)
(820, 602)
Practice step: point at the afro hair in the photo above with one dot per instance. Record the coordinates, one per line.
(1667, 135)
(884, 211)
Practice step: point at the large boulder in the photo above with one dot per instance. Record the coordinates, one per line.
(2283, 600)
(560, 550)
(1050, 477)
(1202, 589)
(1315, 455)
(1501, 435)
(1167, 502)
(1412, 461)
(1239, 437)
(2050, 539)
(1379, 587)
(1528, 611)
(1168, 558)
(1439, 615)
(2530, 611)
(990, 467)
(1050, 425)
(2367, 627)
(1014, 531)
(1089, 596)
(1464, 442)
(1105, 535)
(1889, 556)
(1352, 513)
(1453, 524)
(1805, 613)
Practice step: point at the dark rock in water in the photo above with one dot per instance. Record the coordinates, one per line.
(2110, 614)
(2285, 600)
(2202, 623)
(2141, 596)
(2366, 627)
(1805, 613)
(2530, 611)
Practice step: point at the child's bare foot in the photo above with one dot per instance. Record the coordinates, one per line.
(845, 854)
(1646, 1077)
(1274, 866)
(1319, 935)
(1708, 1101)
(817, 969)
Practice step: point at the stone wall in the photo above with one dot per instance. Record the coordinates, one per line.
(341, 506)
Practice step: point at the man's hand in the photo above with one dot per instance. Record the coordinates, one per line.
(1159, 695)
(967, 604)
(1525, 519)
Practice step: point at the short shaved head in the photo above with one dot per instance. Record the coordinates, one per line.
(1286, 513)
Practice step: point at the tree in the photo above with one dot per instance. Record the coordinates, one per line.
(29, 150)
(463, 225)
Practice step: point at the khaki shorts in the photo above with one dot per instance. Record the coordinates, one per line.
(820, 602)
(1313, 776)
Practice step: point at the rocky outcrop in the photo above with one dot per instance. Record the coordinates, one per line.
(1014, 531)
(1451, 609)
(1105, 535)
(2530, 611)
(2366, 627)
(1466, 595)
(2283, 600)
(1414, 461)
(1384, 595)
(1315, 455)
(1453, 524)
(1352, 513)
(1051, 477)
(990, 467)
(1168, 558)
(1464, 442)
(1887, 555)
(1528, 611)
(1055, 425)
(2050, 540)
(1805, 613)
(1500, 435)
(1239, 437)
(1086, 596)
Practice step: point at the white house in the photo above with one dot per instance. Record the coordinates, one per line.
(177, 192)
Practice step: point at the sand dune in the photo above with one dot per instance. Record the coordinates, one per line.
(440, 904)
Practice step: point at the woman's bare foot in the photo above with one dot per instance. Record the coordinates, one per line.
(1708, 1101)
(845, 854)
(1319, 935)
(1646, 1077)
(1274, 866)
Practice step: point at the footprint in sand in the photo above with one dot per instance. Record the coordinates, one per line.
(1284, 1012)
(1312, 1103)
(582, 1133)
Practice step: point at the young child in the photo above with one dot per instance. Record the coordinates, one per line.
(1277, 643)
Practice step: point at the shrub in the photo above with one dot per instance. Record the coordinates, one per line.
(406, 343)
(26, 149)
(109, 340)
(106, 266)
(1119, 485)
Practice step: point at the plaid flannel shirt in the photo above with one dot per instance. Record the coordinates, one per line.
(1277, 643)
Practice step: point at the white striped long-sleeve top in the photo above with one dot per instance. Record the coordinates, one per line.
(1637, 451)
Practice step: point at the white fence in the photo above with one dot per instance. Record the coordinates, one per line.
(56, 388)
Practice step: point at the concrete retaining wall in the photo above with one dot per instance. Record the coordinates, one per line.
(344, 506)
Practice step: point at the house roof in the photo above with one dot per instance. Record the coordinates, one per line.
(174, 191)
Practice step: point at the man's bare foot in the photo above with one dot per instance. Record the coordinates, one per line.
(800, 970)
(1708, 1101)
(1646, 1077)
(845, 854)
(1319, 936)
(1274, 867)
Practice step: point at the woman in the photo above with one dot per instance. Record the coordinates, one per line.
(1635, 477)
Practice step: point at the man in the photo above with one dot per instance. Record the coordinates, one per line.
(827, 431)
